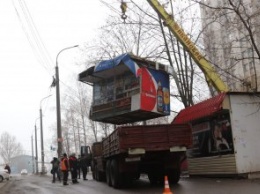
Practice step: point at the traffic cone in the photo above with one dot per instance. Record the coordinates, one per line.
(166, 186)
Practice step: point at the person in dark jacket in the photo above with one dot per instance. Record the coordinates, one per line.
(84, 166)
(7, 167)
(73, 162)
(64, 166)
(55, 169)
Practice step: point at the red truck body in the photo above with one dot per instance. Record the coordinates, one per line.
(155, 150)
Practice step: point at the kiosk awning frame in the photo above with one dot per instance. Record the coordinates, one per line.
(200, 110)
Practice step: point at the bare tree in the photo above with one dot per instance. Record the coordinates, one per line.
(234, 46)
(106, 129)
(9, 147)
(66, 140)
(71, 130)
(161, 120)
(78, 129)
(144, 35)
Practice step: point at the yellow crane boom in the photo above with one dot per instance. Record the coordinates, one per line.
(211, 75)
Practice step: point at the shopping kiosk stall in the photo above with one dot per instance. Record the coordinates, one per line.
(127, 89)
(226, 132)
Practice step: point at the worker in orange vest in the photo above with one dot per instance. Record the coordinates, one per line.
(64, 166)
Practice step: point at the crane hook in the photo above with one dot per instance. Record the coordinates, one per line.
(123, 8)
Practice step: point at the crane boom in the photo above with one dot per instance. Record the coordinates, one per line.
(207, 68)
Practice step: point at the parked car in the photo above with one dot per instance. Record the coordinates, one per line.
(24, 172)
(4, 175)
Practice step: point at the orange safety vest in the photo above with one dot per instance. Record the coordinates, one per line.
(63, 164)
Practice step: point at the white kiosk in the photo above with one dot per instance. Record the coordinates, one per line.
(226, 135)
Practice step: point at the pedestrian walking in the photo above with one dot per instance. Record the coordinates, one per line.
(73, 162)
(64, 166)
(84, 166)
(55, 169)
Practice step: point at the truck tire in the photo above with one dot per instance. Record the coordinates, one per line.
(101, 176)
(94, 172)
(116, 176)
(97, 173)
(108, 174)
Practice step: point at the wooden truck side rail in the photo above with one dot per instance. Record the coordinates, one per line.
(147, 138)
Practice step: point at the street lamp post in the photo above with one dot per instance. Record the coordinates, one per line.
(57, 84)
(36, 149)
(32, 154)
(42, 146)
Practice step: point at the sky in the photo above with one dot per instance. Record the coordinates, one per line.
(24, 79)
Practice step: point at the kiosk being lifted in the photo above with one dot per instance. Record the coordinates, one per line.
(127, 89)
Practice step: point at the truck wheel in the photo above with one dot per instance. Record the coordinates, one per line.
(94, 172)
(1, 178)
(116, 178)
(108, 174)
(174, 176)
(97, 173)
(102, 176)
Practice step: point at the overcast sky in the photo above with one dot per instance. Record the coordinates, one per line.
(24, 79)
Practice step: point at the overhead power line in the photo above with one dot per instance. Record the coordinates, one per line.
(32, 35)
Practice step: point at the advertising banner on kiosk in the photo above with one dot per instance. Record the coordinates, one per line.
(155, 91)
(212, 137)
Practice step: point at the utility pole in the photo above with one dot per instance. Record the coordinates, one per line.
(36, 151)
(57, 84)
(32, 156)
(59, 135)
(42, 145)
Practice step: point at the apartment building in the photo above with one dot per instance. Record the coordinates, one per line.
(229, 41)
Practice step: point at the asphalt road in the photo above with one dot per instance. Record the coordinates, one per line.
(32, 184)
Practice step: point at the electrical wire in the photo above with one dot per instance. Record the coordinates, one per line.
(34, 39)
(41, 43)
(32, 34)
(29, 38)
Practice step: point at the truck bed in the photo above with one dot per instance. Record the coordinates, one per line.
(149, 137)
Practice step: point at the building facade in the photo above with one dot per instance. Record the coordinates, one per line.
(231, 38)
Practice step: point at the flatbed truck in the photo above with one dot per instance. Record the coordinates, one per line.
(129, 151)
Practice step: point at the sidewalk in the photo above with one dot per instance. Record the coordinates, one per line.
(2, 184)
